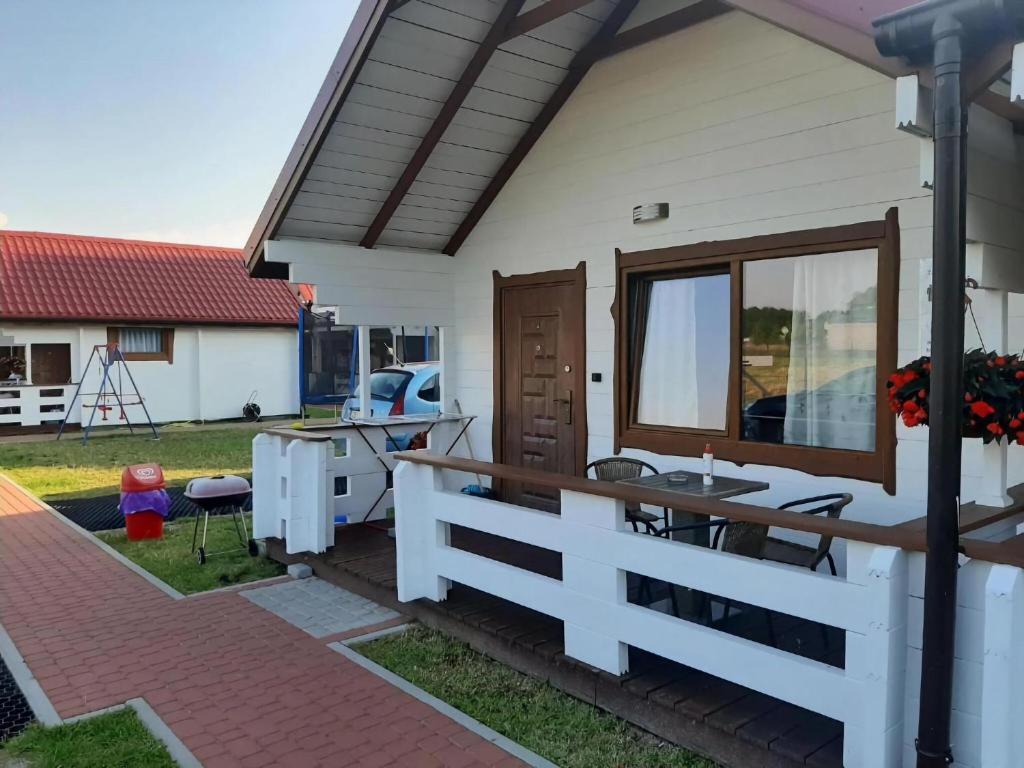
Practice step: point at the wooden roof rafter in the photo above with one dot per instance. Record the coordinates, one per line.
(509, 25)
(578, 68)
(384, 166)
(462, 87)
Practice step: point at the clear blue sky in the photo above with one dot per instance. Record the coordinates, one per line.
(155, 119)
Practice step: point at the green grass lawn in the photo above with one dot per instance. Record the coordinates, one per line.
(551, 723)
(68, 469)
(116, 740)
(171, 560)
(56, 470)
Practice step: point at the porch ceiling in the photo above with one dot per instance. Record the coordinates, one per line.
(431, 105)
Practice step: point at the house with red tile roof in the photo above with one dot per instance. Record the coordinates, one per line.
(200, 336)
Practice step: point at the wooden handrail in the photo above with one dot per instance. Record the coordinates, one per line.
(883, 535)
(974, 516)
(297, 434)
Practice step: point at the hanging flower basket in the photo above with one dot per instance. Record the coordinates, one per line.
(993, 395)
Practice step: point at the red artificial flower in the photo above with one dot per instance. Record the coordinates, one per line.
(922, 394)
(1019, 375)
(1000, 361)
(1020, 438)
(910, 406)
(982, 410)
(1015, 423)
(994, 428)
(968, 397)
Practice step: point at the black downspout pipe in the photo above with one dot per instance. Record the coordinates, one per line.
(941, 31)
(946, 398)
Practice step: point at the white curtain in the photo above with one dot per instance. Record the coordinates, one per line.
(146, 340)
(668, 371)
(830, 392)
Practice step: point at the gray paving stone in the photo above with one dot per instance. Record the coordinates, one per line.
(319, 608)
(299, 571)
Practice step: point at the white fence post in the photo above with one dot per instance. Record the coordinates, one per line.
(266, 509)
(1001, 742)
(306, 496)
(878, 658)
(418, 532)
(290, 491)
(597, 580)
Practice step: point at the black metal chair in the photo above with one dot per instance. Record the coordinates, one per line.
(620, 468)
(615, 469)
(781, 551)
(752, 540)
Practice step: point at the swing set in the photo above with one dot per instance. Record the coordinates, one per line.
(111, 395)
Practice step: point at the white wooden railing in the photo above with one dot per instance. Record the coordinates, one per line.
(32, 406)
(598, 550)
(306, 482)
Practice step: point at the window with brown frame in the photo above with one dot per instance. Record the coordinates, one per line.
(143, 343)
(774, 349)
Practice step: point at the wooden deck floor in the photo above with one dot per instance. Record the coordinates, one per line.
(729, 723)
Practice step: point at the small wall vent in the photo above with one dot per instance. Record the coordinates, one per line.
(652, 212)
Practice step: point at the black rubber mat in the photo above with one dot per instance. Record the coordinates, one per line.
(15, 712)
(100, 513)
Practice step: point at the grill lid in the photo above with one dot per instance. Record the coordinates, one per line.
(217, 487)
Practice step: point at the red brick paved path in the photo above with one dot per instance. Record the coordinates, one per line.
(238, 685)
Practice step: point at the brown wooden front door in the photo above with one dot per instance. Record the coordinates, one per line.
(540, 392)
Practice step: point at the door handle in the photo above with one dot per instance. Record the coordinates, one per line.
(567, 402)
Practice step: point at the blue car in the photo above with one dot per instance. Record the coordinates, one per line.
(400, 390)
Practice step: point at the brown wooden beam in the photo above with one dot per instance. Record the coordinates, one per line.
(444, 118)
(359, 38)
(860, 47)
(542, 14)
(850, 42)
(986, 69)
(667, 24)
(595, 48)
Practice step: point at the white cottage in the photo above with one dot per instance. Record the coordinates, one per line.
(200, 337)
(649, 226)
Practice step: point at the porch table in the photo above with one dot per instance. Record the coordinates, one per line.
(691, 485)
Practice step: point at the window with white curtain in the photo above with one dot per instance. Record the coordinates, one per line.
(773, 348)
(147, 341)
(810, 341)
(143, 343)
(684, 364)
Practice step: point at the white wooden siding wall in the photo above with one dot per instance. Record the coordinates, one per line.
(995, 210)
(744, 130)
(381, 287)
(597, 552)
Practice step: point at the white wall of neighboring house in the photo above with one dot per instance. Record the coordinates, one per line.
(213, 373)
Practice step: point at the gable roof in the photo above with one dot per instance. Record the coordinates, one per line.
(98, 279)
(430, 105)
